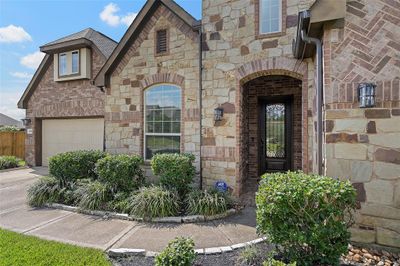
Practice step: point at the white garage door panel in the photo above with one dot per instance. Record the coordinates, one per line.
(61, 135)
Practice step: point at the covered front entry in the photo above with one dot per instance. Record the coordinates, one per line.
(272, 127)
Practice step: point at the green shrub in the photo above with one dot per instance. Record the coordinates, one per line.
(154, 201)
(120, 203)
(273, 262)
(46, 190)
(73, 165)
(306, 215)
(7, 162)
(179, 252)
(176, 171)
(9, 128)
(251, 255)
(121, 172)
(207, 202)
(93, 195)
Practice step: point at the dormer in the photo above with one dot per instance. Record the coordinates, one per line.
(72, 55)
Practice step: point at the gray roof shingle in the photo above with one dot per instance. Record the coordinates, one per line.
(105, 44)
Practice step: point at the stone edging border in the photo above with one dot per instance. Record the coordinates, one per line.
(124, 216)
(125, 252)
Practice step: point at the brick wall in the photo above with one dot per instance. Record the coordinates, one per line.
(141, 68)
(77, 98)
(363, 145)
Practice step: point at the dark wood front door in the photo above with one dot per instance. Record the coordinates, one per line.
(276, 134)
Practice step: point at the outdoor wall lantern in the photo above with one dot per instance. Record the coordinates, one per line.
(26, 121)
(366, 95)
(218, 114)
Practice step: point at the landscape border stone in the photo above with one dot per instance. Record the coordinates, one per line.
(124, 216)
(125, 252)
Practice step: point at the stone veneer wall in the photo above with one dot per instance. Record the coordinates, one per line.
(363, 145)
(140, 68)
(272, 86)
(233, 54)
(66, 99)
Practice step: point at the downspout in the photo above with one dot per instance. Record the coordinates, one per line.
(200, 31)
(319, 91)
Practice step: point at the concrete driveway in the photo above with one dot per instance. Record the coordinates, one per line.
(92, 231)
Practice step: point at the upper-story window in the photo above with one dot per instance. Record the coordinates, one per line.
(270, 16)
(75, 62)
(162, 132)
(62, 64)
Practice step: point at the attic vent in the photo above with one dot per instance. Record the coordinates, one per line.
(161, 46)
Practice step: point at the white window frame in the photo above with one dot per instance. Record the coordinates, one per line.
(159, 134)
(72, 62)
(59, 64)
(260, 18)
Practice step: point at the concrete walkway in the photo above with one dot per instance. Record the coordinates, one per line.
(95, 232)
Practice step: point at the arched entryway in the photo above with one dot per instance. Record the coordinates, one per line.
(271, 122)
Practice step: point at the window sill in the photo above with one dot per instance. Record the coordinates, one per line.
(270, 35)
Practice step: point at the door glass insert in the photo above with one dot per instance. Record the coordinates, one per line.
(275, 130)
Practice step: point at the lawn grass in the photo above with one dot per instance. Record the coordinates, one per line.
(19, 249)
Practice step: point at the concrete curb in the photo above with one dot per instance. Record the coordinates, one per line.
(124, 216)
(126, 252)
(14, 169)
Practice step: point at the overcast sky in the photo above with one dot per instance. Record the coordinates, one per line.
(26, 25)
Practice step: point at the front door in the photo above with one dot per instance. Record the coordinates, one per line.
(276, 134)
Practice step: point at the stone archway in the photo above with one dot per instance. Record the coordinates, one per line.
(282, 67)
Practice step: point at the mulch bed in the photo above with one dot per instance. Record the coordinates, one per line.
(356, 257)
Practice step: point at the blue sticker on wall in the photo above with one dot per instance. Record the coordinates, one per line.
(221, 186)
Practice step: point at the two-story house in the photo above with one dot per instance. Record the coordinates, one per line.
(256, 86)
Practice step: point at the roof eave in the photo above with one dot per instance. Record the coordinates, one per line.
(22, 103)
(67, 45)
(101, 80)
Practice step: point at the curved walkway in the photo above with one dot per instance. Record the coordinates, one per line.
(91, 231)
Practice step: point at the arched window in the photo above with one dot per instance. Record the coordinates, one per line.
(162, 118)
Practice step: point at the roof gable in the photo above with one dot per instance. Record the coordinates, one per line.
(84, 38)
(133, 31)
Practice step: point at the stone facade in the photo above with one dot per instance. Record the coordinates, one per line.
(67, 99)
(141, 68)
(233, 54)
(363, 145)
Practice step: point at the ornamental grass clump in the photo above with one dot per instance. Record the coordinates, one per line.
(93, 195)
(179, 252)
(207, 202)
(46, 190)
(154, 201)
(7, 162)
(176, 171)
(122, 173)
(307, 216)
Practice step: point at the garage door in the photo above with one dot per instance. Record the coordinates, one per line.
(61, 135)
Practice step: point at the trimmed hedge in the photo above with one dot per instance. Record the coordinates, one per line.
(7, 162)
(306, 215)
(73, 165)
(121, 172)
(176, 171)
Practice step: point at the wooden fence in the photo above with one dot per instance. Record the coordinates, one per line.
(12, 143)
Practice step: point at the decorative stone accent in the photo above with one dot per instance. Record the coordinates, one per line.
(386, 155)
(361, 195)
(341, 137)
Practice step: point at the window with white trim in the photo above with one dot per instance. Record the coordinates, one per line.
(62, 64)
(75, 62)
(162, 133)
(270, 17)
